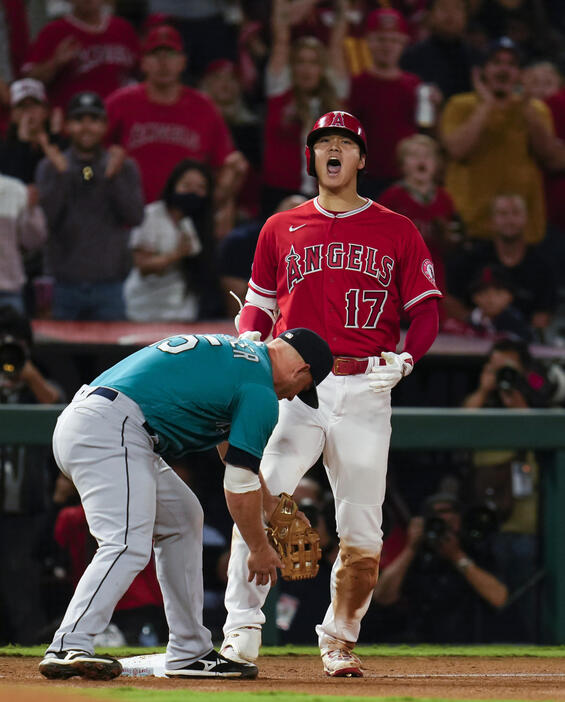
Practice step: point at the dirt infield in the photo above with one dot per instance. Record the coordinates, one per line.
(446, 677)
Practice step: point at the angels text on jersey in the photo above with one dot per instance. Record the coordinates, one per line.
(338, 255)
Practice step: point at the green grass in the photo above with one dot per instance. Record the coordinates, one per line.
(372, 650)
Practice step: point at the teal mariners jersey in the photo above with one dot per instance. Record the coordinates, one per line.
(198, 390)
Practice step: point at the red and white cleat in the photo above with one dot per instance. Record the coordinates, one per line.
(341, 663)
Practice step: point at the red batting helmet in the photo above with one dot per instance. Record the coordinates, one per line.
(329, 122)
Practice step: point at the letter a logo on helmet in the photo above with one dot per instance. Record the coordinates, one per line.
(329, 122)
(337, 120)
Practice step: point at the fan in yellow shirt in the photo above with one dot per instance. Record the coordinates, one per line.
(494, 137)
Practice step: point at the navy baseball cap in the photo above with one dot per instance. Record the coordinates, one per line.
(502, 44)
(315, 351)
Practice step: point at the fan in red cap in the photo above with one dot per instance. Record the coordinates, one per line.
(385, 19)
(330, 121)
(163, 37)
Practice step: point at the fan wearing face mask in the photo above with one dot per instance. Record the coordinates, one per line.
(163, 285)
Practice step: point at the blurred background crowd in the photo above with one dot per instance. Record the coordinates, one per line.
(143, 144)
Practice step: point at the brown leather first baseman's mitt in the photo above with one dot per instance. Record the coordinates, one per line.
(297, 545)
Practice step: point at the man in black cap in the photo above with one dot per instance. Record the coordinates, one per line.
(91, 196)
(182, 394)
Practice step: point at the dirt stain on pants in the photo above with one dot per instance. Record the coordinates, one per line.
(355, 581)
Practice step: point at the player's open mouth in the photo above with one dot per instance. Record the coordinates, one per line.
(334, 166)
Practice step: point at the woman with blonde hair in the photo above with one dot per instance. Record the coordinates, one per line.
(303, 81)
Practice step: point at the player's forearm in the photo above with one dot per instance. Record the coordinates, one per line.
(246, 510)
(423, 329)
(255, 319)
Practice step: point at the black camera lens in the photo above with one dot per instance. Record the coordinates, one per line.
(507, 378)
(12, 356)
(435, 529)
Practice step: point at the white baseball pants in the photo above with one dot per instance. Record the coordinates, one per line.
(352, 429)
(131, 497)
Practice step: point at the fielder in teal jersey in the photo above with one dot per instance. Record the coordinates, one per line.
(185, 393)
(197, 390)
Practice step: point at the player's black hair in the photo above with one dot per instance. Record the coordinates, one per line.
(15, 324)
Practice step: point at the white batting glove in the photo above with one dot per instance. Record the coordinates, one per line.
(397, 366)
(251, 335)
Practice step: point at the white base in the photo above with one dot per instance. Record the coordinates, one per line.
(141, 666)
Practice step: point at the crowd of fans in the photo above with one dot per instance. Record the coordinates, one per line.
(143, 145)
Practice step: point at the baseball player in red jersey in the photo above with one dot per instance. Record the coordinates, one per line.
(347, 268)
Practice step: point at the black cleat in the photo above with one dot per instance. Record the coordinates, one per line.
(214, 665)
(65, 664)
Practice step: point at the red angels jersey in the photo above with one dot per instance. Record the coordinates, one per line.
(106, 59)
(158, 136)
(346, 276)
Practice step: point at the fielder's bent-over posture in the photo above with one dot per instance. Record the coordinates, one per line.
(345, 267)
(185, 393)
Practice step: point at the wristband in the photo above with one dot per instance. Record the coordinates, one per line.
(240, 480)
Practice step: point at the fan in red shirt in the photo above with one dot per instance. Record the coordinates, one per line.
(161, 122)
(384, 98)
(86, 50)
(418, 197)
(347, 268)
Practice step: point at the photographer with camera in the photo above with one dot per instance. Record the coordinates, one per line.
(508, 480)
(25, 487)
(441, 583)
(21, 382)
(511, 378)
